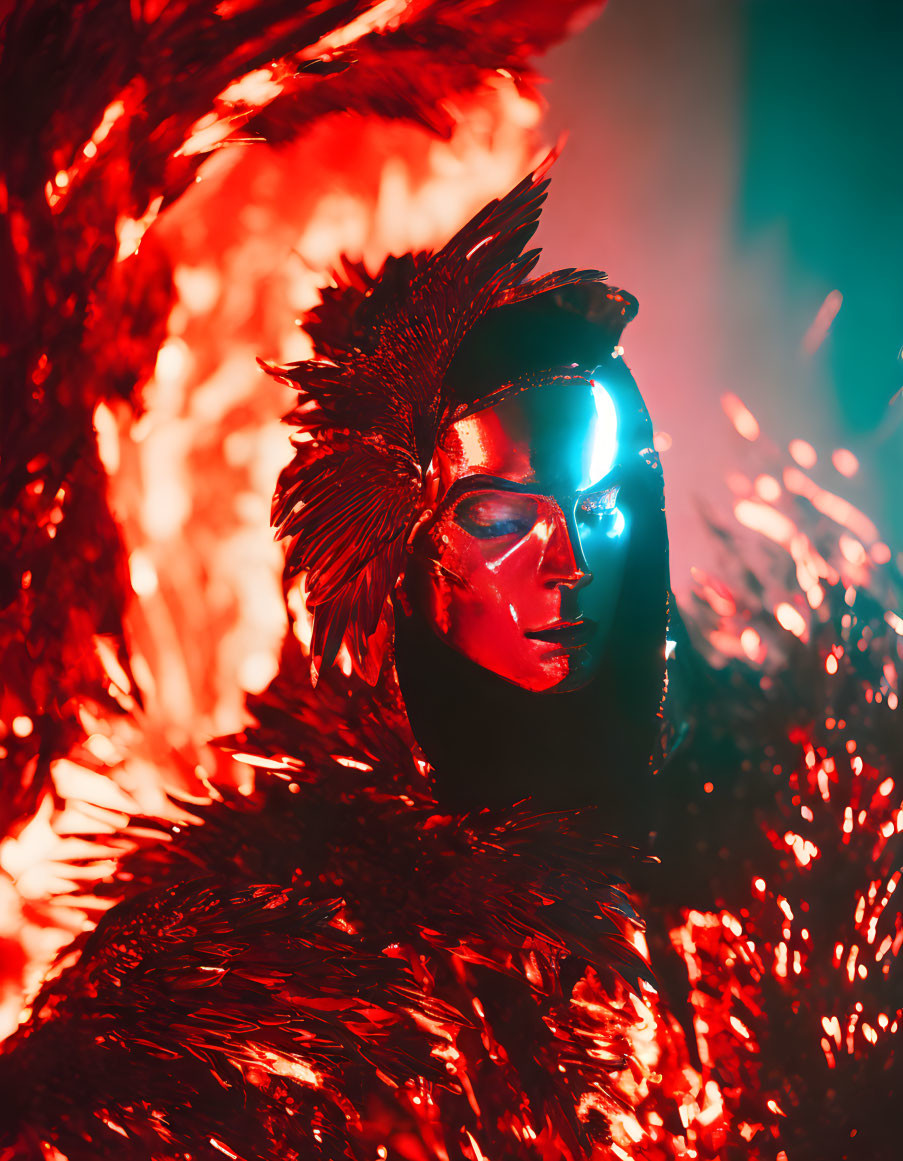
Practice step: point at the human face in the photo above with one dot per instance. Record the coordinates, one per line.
(521, 567)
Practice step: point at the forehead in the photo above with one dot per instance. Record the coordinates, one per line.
(561, 437)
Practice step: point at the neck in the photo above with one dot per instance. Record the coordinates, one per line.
(493, 744)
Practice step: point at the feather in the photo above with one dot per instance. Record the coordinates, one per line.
(374, 400)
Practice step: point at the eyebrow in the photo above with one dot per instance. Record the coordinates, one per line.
(477, 483)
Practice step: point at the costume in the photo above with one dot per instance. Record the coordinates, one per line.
(447, 1025)
(343, 963)
(423, 944)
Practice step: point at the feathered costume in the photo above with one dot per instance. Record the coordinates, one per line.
(332, 964)
(438, 1019)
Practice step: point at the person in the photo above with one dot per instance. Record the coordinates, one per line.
(534, 598)
(407, 944)
(473, 907)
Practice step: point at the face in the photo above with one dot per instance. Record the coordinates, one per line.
(521, 566)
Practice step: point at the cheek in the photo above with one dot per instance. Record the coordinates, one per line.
(607, 558)
(487, 600)
(481, 599)
(503, 580)
(480, 592)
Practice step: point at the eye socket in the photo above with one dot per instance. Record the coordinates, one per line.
(599, 506)
(489, 515)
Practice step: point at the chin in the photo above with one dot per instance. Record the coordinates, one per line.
(567, 677)
(576, 679)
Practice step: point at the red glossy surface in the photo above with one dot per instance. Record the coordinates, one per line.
(521, 567)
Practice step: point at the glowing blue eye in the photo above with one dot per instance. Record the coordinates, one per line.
(605, 435)
(600, 510)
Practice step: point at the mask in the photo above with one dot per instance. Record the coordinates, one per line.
(521, 566)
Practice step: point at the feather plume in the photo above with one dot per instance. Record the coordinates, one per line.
(372, 402)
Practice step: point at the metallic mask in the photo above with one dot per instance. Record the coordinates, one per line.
(521, 563)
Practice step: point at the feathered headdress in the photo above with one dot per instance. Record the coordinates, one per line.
(375, 398)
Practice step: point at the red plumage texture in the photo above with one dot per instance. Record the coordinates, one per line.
(400, 972)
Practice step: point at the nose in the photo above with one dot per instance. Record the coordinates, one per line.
(577, 580)
(564, 565)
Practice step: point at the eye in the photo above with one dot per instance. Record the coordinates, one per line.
(600, 510)
(487, 515)
(598, 505)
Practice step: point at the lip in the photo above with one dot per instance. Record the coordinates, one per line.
(573, 633)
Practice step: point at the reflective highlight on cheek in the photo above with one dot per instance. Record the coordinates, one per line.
(502, 596)
(539, 535)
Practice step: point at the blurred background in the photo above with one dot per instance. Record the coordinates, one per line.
(739, 167)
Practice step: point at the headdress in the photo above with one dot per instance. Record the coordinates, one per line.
(373, 402)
